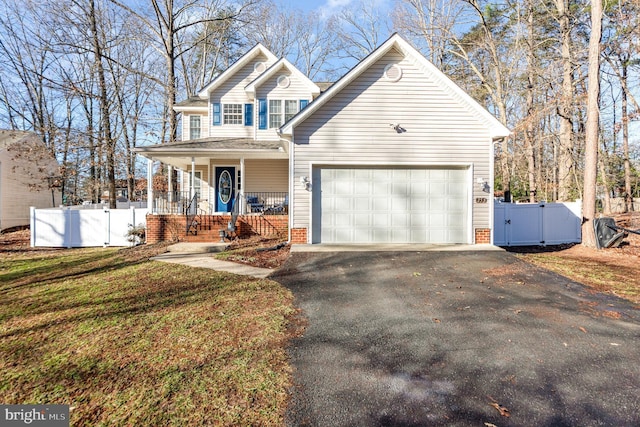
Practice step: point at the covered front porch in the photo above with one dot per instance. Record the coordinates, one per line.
(237, 185)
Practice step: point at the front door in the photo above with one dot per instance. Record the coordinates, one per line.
(225, 188)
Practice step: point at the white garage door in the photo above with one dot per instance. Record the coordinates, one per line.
(390, 205)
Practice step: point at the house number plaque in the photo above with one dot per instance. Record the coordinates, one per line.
(481, 200)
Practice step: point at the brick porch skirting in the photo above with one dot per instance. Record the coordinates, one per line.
(173, 228)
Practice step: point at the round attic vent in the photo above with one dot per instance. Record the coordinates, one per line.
(260, 67)
(283, 82)
(392, 72)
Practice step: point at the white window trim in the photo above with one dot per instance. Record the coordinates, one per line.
(191, 124)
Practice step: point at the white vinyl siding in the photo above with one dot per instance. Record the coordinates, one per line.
(354, 128)
(266, 176)
(186, 125)
(232, 92)
(269, 90)
(23, 181)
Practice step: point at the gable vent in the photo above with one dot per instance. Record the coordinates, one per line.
(392, 72)
(260, 67)
(283, 82)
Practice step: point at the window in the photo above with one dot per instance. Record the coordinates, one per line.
(194, 127)
(275, 113)
(232, 114)
(197, 183)
(290, 109)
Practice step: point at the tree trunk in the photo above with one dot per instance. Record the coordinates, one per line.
(592, 128)
(529, 131)
(109, 142)
(565, 160)
(628, 196)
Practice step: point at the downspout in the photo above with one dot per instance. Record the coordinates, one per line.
(291, 182)
(491, 183)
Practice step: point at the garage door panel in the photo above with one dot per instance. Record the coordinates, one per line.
(399, 203)
(394, 205)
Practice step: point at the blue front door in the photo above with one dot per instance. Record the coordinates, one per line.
(225, 188)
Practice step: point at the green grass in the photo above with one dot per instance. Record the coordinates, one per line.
(126, 341)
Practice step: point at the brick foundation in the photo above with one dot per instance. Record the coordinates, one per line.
(483, 236)
(299, 235)
(173, 228)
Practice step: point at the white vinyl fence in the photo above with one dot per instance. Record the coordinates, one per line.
(81, 228)
(534, 224)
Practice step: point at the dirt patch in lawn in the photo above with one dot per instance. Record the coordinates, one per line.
(257, 252)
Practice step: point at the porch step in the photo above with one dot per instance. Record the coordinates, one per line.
(200, 247)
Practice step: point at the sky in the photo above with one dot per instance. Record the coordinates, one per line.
(327, 7)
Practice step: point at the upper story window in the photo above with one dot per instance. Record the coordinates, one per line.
(290, 109)
(275, 113)
(194, 127)
(232, 114)
(279, 115)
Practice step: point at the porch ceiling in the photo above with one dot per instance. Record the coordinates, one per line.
(179, 154)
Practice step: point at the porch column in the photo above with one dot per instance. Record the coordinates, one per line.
(150, 186)
(170, 184)
(242, 207)
(192, 187)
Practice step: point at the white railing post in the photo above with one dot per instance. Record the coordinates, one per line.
(150, 186)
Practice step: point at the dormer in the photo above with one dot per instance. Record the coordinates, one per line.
(251, 99)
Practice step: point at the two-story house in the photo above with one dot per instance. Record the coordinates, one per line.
(393, 152)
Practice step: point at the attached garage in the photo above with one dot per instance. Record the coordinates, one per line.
(393, 152)
(387, 204)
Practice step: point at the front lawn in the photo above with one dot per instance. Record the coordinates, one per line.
(126, 341)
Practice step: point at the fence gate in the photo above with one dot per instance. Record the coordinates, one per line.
(528, 224)
(81, 228)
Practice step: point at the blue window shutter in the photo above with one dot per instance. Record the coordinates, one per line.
(303, 103)
(217, 119)
(248, 114)
(262, 113)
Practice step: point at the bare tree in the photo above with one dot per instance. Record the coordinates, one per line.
(303, 38)
(357, 30)
(431, 25)
(167, 22)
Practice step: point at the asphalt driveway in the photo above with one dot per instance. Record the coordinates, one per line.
(456, 339)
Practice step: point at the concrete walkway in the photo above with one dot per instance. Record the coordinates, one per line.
(201, 255)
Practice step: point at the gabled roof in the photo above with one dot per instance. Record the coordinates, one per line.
(244, 60)
(273, 70)
(496, 129)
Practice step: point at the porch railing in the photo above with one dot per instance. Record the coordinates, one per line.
(180, 203)
(268, 203)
